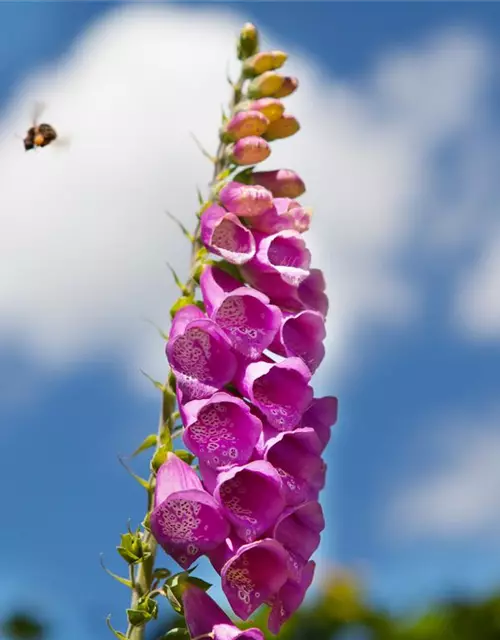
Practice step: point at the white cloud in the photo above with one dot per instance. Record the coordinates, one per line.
(83, 233)
(457, 495)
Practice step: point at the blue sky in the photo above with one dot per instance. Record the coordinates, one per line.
(399, 109)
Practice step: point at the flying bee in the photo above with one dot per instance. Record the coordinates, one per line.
(39, 135)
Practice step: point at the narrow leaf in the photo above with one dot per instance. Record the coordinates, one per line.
(141, 481)
(198, 582)
(177, 280)
(184, 230)
(201, 199)
(203, 150)
(124, 581)
(118, 634)
(148, 442)
(157, 384)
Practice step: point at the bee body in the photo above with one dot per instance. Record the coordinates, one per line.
(39, 136)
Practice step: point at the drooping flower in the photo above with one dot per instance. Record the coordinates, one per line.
(254, 575)
(199, 353)
(246, 123)
(284, 213)
(245, 200)
(186, 520)
(283, 183)
(289, 598)
(280, 391)
(246, 315)
(284, 127)
(224, 235)
(220, 430)
(289, 85)
(264, 61)
(302, 334)
(204, 618)
(251, 497)
(296, 455)
(320, 416)
(270, 107)
(283, 253)
(265, 85)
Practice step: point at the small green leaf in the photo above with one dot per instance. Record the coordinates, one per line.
(141, 481)
(146, 523)
(177, 280)
(118, 634)
(159, 458)
(124, 581)
(203, 150)
(160, 573)
(185, 456)
(198, 582)
(184, 230)
(157, 384)
(244, 176)
(148, 442)
(200, 197)
(174, 602)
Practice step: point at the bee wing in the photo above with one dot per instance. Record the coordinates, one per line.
(37, 110)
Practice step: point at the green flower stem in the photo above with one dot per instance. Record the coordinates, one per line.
(143, 579)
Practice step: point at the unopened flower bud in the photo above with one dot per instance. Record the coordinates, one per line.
(248, 42)
(264, 61)
(245, 123)
(288, 87)
(265, 85)
(283, 183)
(285, 127)
(245, 200)
(270, 107)
(251, 150)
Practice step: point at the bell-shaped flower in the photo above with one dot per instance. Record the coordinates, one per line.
(199, 353)
(224, 235)
(245, 200)
(186, 521)
(298, 530)
(320, 416)
(245, 123)
(250, 150)
(220, 430)
(285, 213)
(248, 319)
(251, 497)
(296, 455)
(302, 334)
(289, 598)
(205, 619)
(283, 253)
(254, 575)
(281, 391)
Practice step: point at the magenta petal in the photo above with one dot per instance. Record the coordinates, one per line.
(224, 235)
(204, 617)
(174, 475)
(279, 390)
(302, 335)
(298, 529)
(251, 497)
(183, 318)
(188, 524)
(320, 416)
(225, 551)
(284, 214)
(254, 575)
(201, 359)
(284, 253)
(248, 320)
(215, 284)
(296, 456)
(289, 599)
(312, 292)
(245, 200)
(221, 430)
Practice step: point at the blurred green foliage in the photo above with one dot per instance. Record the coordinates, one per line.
(22, 626)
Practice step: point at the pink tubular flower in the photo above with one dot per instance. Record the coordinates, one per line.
(270, 107)
(245, 200)
(223, 234)
(246, 123)
(288, 86)
(283, 183)
(302, 334)
(186, 520)
(199, 353)
(284, 213)
(204, 618)
(289, 598)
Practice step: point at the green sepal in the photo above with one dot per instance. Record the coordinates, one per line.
(159, 457)
(198, 582)
(148, 443)
(185, 456)
(133, 549)
(144, 483)
(119, 579)
(177, 280)
(244, 176)
(146, 523)
(146, 609)
(160, 573)
(200, 197)
(231, 269)
(118, 634)
(174, 602)
(201, 305)
(176, 633)
(183, 301)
